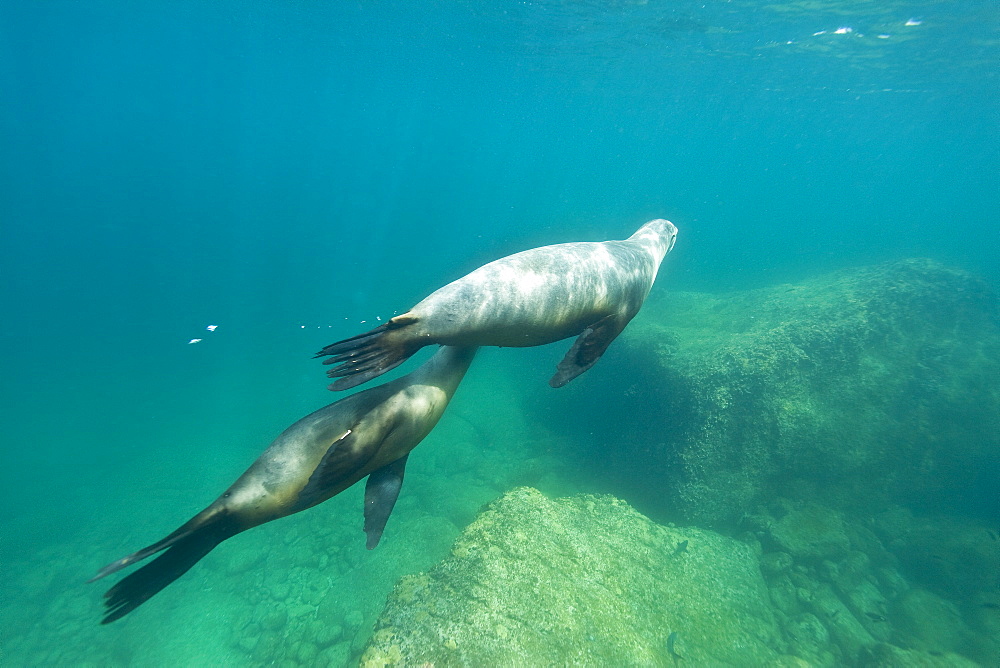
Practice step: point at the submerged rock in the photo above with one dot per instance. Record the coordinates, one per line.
(812, 532)
(857, 389)
(954, 556)
(930, 622)
(581, 580)
(890, 656)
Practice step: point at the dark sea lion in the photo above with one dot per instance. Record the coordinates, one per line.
(370, 433)
(530, 298)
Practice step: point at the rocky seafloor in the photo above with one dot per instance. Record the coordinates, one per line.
(808, 474)
(587, 580)
(862, 387)
(845, 430)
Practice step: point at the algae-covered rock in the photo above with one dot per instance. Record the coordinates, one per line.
(848, 603)
(812, 532)
(810, 639)
(583, 580)
(890, 656)
(930, 622)
(953, 556)
(856, 389)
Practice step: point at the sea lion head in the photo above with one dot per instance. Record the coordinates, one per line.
(658, 235)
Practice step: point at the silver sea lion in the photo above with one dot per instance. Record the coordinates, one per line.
(370, 433)
(538, 296)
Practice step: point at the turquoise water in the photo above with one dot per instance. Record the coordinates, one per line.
(290, 172)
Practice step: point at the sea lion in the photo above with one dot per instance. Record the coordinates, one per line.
(370, 433)
(530, 298)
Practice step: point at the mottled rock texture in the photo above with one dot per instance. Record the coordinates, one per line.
(584, 580)
(856, 389)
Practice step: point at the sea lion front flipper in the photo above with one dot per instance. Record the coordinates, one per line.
(381, 492)
(326, 475)
(587, 349)
(365, 356)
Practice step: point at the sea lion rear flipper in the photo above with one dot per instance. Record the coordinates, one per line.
(135, 589)
(381, 492)
(365, 356)
(193, 525)
(587, 349)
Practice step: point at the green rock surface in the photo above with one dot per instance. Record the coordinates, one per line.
(811, 532)
(584, 580)
(857, 389)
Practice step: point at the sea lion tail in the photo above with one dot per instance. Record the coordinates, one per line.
(184, 552)
(366, 356)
